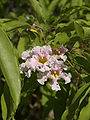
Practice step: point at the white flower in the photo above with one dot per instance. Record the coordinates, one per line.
(55, 86)
(26, 54)
(22, 68)
(67, 77)
(59, 53)
(58, 64)
(42, 51)
(47, 64)
(40, 57)
(42, 77)
(28, 73)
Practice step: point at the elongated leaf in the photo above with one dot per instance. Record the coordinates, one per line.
(69, 112)
(9, 66)
(82, 99)
(4, 107)
(85, 112)
(44, 9)
(22, 44)
(28, 88)
(4, 20)
(8, 26)
(84, 63)
(37, 8)
(7, 104)
(79, 29)
(52, 7)
(60, 104)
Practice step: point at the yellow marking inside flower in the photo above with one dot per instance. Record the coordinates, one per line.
(55, 74)
(57, 52)
(42, 60)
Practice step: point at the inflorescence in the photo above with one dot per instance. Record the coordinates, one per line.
(48, 63)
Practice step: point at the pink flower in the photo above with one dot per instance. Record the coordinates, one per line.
(42, 77)
(59, 53)
(54, 63)
(26, 54)
(48, 65)
(28, 73)
(66, 77)
(55, 86)
(42, 51)
(24, 69)
(40, 57)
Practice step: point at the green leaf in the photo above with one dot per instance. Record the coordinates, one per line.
(86, 32)
(85, 112)
(22, 44)
(7, 104)
(44, 8)
(1, 86)
(79, 29)
(87, 92)
(60, 104)
(69, 112)
(9, 67)
(4, 107)
(80, 93)
(4, 20)
(77, 2)
(62, 38)
(44, 100)
(29, 86)
(19, 23)
(84, 63)
(51, 8)
(37, 8)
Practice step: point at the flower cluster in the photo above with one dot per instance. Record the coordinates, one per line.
(48, 63)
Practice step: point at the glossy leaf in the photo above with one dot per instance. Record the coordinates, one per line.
(7, 104)
(85, 112)
(3, 107)
(9, 67)
(69, 112)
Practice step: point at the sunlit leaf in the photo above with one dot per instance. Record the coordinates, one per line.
(9, 67)
(85, 112)
(69, 112)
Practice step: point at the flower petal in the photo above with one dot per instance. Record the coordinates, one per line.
(55, 86)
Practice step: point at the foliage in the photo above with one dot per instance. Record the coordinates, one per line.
(26, 24)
